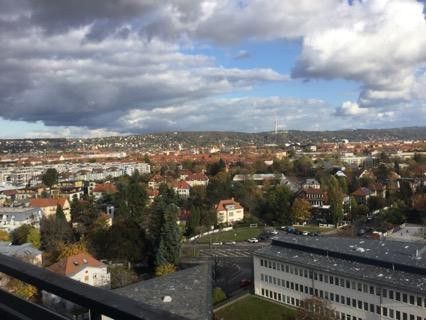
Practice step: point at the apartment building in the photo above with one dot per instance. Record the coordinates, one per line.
(12, 218)
(362, 279)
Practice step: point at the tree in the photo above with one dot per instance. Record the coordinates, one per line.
(131, 199)
(22, 289)
(316, 309)
(194, 221)
(53, 233)
(34, 237)
(335, 196)
(60, 213)
(4, 236)
(218, 295)
(300, 210)
(122, 276)
(68, 250)
(50, 177)
(169, 246)
(20, 235)
(275, 208)
(164, 269)
(302, 166)
(375, 203)
(219, 188)
(216, 167)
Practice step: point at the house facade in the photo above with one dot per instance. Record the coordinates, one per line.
(49, 206)
(229, 211)
(12, 218)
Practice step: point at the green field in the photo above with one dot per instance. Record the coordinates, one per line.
(253, 308)
(240, 234)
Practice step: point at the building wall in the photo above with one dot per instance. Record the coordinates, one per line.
(97, 277)
(291, 284)
(230, 216)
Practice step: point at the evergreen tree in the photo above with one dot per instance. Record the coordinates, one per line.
(169, 246)
(60, 213)
(335, 196)
(194, 221)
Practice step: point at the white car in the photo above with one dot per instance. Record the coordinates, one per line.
(253, 240)
(274, 232)
(230, 242)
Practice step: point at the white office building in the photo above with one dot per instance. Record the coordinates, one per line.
(362, 279)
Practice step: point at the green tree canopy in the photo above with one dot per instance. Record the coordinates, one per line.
(169, 246)
(50, 177)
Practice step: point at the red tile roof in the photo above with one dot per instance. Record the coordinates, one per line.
(71, 265)
(361, 192)
(223, 203)
(105, 188)
(181, 185)
(199, 176)
(47, 202)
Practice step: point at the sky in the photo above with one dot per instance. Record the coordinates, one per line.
(112, 67)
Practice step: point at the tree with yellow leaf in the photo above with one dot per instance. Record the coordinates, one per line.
(68, 250)
(164, 269)
(301, 210)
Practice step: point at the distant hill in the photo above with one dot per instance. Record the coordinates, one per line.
(172, 140)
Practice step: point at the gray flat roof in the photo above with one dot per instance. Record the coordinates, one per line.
(190, 290)
(344, 266)
(390, 251)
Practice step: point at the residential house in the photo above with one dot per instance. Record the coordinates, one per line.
(377, 190)
(361, 195)
(81, 267)
(311, 184)
(102, 189)
(262, 179)
(197, 179)
(25, 252)
(12, 218)
(181, 188)
(229, 211)
(156, 181)
(85, 268)
(152, 194)
(49, 206)
(317, 198)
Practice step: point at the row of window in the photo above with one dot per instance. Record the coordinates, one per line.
(386, 312)
(345, 283)
(334, 297)
(298, 303)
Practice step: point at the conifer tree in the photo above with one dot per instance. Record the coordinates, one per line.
(169, 246)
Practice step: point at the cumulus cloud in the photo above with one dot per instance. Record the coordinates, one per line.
(350, 108)
(103, 64)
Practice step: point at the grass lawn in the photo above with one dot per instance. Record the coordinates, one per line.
(310, 228)
(253, 308)
(240, 234)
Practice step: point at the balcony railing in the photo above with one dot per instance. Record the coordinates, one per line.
(98, 301)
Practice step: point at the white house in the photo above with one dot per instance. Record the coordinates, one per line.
(84, 268)
(181, 188)
(12, 218)
(229, 211)
(197, 179)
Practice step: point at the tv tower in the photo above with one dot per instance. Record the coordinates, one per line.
(276, 126)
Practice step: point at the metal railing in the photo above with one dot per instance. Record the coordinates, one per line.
(98, 301)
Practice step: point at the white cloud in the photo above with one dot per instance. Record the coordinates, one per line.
(350, 109)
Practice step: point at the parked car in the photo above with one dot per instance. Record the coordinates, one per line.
(245, 283)
(274, 232)
(253, 240)
(230, 242)
(217, 243)
(284, 228)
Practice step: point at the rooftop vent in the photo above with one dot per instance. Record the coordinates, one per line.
(84, 260)
(361, 250)
(166, 299)
(75, 263)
